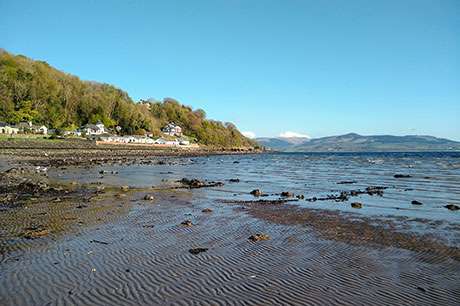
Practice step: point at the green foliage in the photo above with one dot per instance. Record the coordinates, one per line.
(34, 91)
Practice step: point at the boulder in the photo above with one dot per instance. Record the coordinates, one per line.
(356, 205)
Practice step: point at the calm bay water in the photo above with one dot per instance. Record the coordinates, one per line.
(434, 181)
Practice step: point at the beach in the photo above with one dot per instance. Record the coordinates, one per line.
(132, 228)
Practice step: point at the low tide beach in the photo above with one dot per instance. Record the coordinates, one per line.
(153, 229)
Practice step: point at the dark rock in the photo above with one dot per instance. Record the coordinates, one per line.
(452, 207)
(259, 237)
(415, 202)
(195, 183)
(421, 289)
(287, 194)
(356, 205)
(196, 251)
(207, 210)
(149, 197)
(99, 242)
(256, 192)
(187, 223)
(346, 182)
(234, 180)
(375, 190)
(401, 176)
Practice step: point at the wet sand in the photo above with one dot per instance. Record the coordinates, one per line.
(120, 248)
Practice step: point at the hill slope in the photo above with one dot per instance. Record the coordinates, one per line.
(357, 143)
(34, 91)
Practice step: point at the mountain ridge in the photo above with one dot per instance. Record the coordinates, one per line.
(353, 142)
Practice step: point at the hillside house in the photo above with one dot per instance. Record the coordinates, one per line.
(28, 127)
(94, 129)
(8, 129)
(172, 129)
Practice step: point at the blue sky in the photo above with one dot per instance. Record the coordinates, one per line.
(312, 67)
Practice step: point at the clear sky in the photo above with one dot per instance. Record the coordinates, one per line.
(270, 66)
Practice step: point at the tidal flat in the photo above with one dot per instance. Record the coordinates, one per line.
(151, 229)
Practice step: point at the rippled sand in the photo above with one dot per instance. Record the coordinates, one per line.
(136, 252)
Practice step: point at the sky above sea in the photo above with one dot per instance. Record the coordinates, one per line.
(284, 67)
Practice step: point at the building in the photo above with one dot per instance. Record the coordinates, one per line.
(94, 129)
(28, 127)
(8, 129)
(162, 141)
(72, 133)
(172, 129)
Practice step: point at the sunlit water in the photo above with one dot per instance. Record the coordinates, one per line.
(434, 181)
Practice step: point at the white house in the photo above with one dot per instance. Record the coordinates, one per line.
(94, 129)
(28, 127)
(172, 129)
(128, 139)
(43, 130)
(8, 129)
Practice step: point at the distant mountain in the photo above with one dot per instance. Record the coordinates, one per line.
(281, 143)
(357, 143)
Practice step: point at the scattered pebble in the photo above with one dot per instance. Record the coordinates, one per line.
(196, 251)
(356, 205)
(259, 237)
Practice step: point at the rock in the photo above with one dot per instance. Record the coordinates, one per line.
(207, 210)
(256, 192)
(415, 202)
(287, 194)
(375, 190)
(452, 207)
(401, 176)
(196, 251)
(234, 180)
(195, 183)
(346, 182)
(259, 237)
(31, 234)
(300, 196)
(356, 205)
(236, 162)
(187, 223)
(149, 197)
(124, 188)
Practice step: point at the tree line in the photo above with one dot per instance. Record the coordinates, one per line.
(34, 91)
